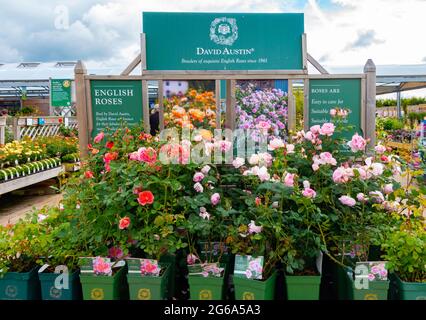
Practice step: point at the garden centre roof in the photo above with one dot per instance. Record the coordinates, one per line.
(392, 78)
(34, 76)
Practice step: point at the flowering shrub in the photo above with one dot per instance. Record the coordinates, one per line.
(194, 110)
(263, 110)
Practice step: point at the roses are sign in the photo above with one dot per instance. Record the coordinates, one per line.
(327, 94)
(248, 267)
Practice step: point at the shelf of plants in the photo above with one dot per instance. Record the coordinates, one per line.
(312, 217)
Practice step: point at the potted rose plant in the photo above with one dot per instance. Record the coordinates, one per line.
(18, 261)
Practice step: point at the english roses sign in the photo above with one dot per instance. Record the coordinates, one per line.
(115, 101)
(223, 41)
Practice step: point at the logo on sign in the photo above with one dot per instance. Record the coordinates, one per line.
(66, 83)
(224, 31)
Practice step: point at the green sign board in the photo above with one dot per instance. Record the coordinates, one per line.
(327, 94)
(114, 102)
(223, 41)
(60, 92)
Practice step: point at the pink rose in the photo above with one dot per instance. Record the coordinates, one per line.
(361, 197)
(205, 170)
(357, 143)
(309, 136)
(289, 179)
(340, 175)
(191, 258)
(99, 137)
(204, 214)
(276, 143)
(263, 125)
(252, 228)
(198, 176)
(263, 174)
(388, 188)
(238, 162)
(289, 148)
(315, 166)
(327, 129)
(215, 199)
(327, 158)
(315, 129)
(309, 193)
(347, 201)
(380, 149)
(333, 112)
(198, 187)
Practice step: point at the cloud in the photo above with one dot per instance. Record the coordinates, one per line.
(365, 39)
(424, 59)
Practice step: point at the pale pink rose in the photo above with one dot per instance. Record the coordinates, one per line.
(315, 129)
(41, 217)
(388, 188)
(263, 174)
(191, 258)
(99, 137)
(306, 184)
(309, 193)
(333, 112)
(198, 176)
(361, 197)
(215, 199)
(347, 201)
(254, 159)
(377, 196)
(289, 179)
(134, 156)
(340, 175)
(315, 166)
(275, 143)
(205, 170)
(204, 214)
(371, 277)
(198, 187)
(383, 273)
(327, 158)
(309, 136)
(289, 148)
(198, 138)
(377, 169)
(265, 159)
(362, 173)
(263, 125)
(357, 143)
(238, 162)
(253, 228)
(380, 149)
(327, 129)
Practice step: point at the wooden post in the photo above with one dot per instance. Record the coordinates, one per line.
(2, 130)
(230, 104)
(370, 98)
(145, 107)
(218, 104)
(304, 53)
(16, 129)
(81, 102)
(143, 53)
(306, 104)
(291, 108)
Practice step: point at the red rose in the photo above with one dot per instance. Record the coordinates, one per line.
(88, 174)
(145, 197)
(124, 223)
(110, 156)
(60, 120)
(109, 144)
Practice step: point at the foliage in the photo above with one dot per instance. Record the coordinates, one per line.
(404, 102)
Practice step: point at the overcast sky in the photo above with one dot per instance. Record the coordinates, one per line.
(340, 32)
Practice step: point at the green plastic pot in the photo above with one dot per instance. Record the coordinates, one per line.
(377, 290)
(403, 290)
(20, 286)
(250, 289)
(206, 288)
(170, 259)
(50, 292)
(303, 287)
(105, 287)
(147, 287)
